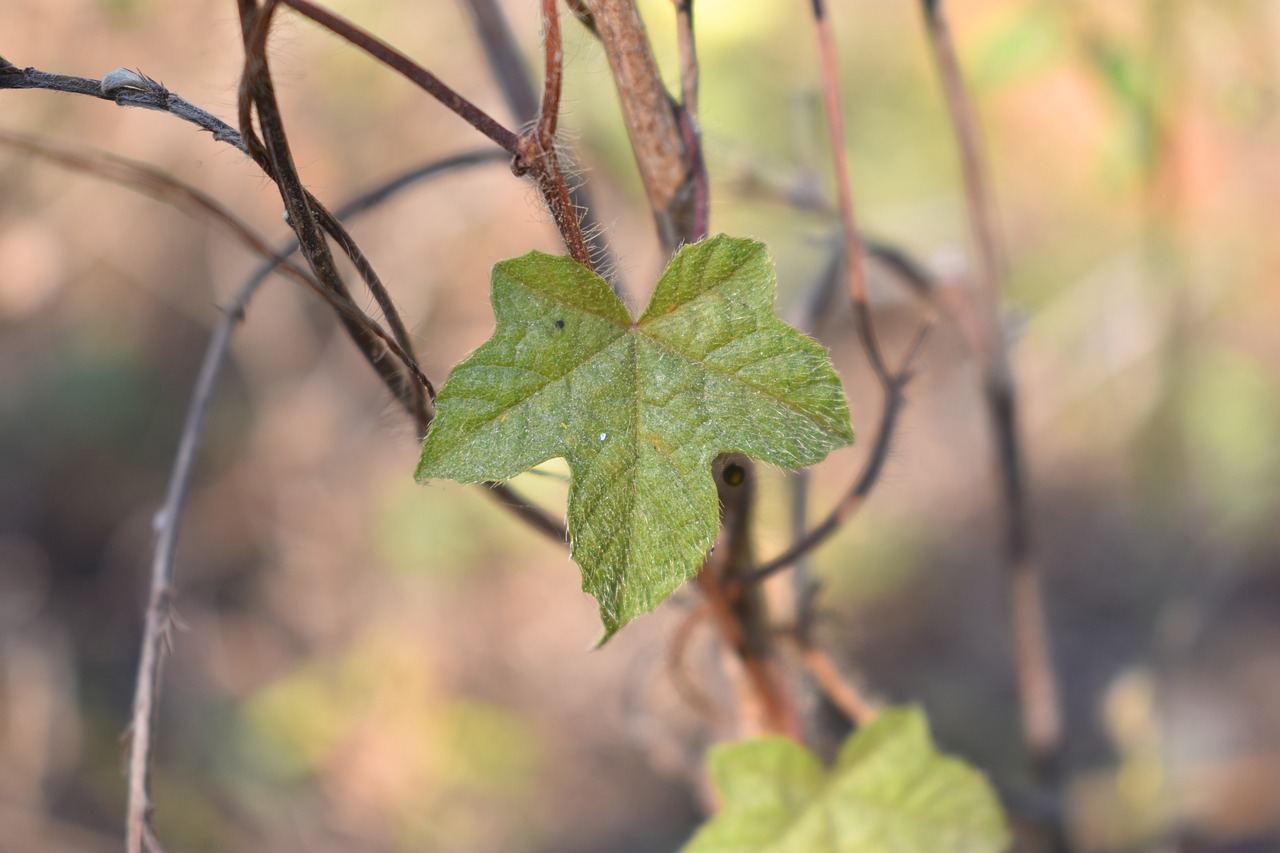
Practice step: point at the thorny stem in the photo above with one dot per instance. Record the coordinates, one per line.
(1029, 635)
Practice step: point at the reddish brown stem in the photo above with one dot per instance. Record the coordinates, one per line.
(397, 61)
(777, 711)
(854, 269)
(690, 129)
(536, 147)
(842, 693)
(1033, 662)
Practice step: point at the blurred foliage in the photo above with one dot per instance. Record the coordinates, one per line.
(388, 746)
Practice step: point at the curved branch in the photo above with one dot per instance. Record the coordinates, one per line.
(407, 68)
(866, 480)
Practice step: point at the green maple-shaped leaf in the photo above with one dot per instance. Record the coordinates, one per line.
(890, 791)
(637, 409)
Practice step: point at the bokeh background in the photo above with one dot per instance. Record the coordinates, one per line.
(367, 664)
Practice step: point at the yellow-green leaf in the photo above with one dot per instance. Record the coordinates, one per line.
(637, 409)
(890, 791)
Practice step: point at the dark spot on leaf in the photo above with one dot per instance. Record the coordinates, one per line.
(734, 474)
(559, 324)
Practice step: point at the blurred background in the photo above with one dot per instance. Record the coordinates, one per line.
(368, 664)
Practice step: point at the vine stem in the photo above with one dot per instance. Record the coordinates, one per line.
(1038, 688)
(855, 271)
(537, 146)
(657, 141)
(891, 383)
(505, 61)
(410, 70)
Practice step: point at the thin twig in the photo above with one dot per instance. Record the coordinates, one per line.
(740, 612)
(534, 152)
(891, 384)
(650, 117)
(854, 271)
(126, 88)
(406, 67)
(307, 216)
(689, 690)
(856, 495)
(538, 519)
(157, 625)
(503, 55)
(157, 620)
(687, 113)
(168, 189)
(842, 692)
(129, 88)
(1037, 679)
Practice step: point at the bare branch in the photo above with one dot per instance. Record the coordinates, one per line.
(687, 113)
(157, 184)
(842, 692)
(891, 384)
(1037, 679)
(656, 138)
(853, 499)
(128, 89)
(688, 688)
(856, 275)
(503, 54)
(406, 67)
(307, 216)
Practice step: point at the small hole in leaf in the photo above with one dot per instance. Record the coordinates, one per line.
(559, 324)
(734, 474)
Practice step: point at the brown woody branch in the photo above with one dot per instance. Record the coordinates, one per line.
(656, 138)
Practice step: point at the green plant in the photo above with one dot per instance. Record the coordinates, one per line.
(669, 408)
